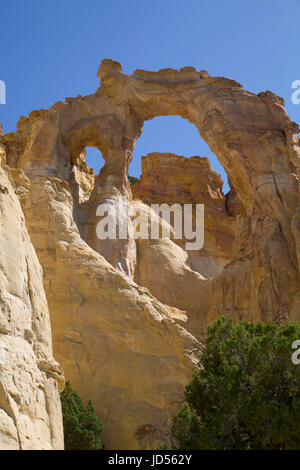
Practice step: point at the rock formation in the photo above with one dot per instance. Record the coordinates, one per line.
(128, 316)
(30, 379)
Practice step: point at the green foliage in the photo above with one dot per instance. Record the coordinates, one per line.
(247, 393)
(132, 180)
(82, 427)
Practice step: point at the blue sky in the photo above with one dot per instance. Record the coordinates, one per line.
(52, 49)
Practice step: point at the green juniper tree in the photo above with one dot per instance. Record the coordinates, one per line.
(82, 427)
(133, 179)
(246, 394)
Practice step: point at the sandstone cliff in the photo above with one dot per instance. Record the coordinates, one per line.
(30, 379)
(127, 315)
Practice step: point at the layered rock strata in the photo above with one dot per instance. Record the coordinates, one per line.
(127, 315)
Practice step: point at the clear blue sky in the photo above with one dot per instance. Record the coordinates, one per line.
(52, 49)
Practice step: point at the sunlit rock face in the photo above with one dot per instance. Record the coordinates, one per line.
(30, 379)
(128, 315)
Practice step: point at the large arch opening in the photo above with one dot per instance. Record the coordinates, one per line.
(173, 134)
(170, 178)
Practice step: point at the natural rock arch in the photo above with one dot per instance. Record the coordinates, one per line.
(258, 146)
(250, 134)
(232, 121)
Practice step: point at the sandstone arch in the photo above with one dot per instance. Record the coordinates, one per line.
(258, 146)
(232, 121)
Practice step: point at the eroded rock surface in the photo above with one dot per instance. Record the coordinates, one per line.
(30, 379)
(127, 315)
(117, 343)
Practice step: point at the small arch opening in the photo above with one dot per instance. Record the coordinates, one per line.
(94, 159)
(86, 167)
(173, 134)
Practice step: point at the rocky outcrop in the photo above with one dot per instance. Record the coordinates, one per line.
(127, 315)
(185, 277)
(30, 379)
(168, 178)
(117, 343)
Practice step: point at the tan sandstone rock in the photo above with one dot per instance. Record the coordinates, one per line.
(127, 315)
(117, 343)
(30, 379)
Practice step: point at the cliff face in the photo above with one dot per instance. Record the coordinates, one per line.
(30, 379)
(127, 315)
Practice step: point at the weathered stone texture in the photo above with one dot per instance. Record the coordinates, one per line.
(127, 315)
(30, 379)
